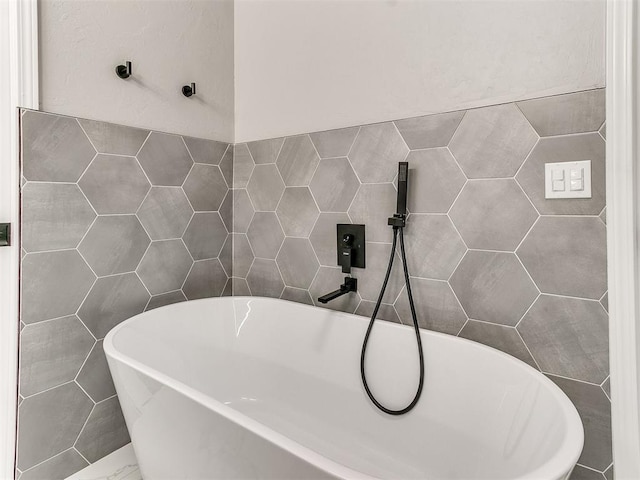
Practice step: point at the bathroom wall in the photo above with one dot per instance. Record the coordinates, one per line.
(115, 221)
(171, 43)
(308, 66)
(490, 259)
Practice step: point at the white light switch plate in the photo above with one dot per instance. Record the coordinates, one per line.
(567, 179)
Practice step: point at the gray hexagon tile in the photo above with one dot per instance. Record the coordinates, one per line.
(165, 159)
(114, 184)
(239, 286)
(165, 213)
(572, 148)
(114, 139)
(264, 279)
(165, 266)
(501, 338)
(297, 161)
(226, 166)
(59, 467)
(164, 299)
(568, 337)
(205, 151)
(433, 246)
(265, 151)
(44, 295)
(206, 279)
(567, 256)
(327, 280)
(242, 166)
(493, 286)
(370, 278)
(606, 387)
(226, 211)
(372, 206)
(205, 188)
(95, 442)
(111, 301)
(429, 131)
(334, 185)
(334, 143)
(54, 216)
(297, 212)
(603, 131)
(50, 423)
(265, 188)
(205, 235)
(242, 255)
(492, 141)
(604, 301)
(583, 473)
(114, 244)
(436, 306)
(493, 214)
(435, 180)
(297, 262)
(386, 312)
(298, 295)
(376, 152)
(95, 378)
(55, 149)
(52, 353)
(603, 215)
(242, 211)
(226, 255)
(323, 237)
(562, 114)
(265, 235)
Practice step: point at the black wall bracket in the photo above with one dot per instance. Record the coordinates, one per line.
(350, 242)
(5, 234)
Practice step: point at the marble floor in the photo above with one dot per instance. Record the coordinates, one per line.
(119, 465)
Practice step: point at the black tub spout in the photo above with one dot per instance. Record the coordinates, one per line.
(349, 285)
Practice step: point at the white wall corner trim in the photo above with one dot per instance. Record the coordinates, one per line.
(623, 220)
(18, 88)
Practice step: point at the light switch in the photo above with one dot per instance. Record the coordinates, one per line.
(568, 179)
(557, 177)
(577, 179)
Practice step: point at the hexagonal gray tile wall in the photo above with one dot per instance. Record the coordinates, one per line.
(106, 208)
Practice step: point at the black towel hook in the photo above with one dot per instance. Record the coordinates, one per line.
(124, 71)
(189, 90)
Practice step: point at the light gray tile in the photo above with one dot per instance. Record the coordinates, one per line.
(265, 187)
(206, 279)
(51, 353)
(334, 143)
(242, 255)
(114, 139)
(165, 159)
(165, 213)
(429, 131)
(323, 237)
(242, 165)
(436, 307)
(104, 432)
(226, 166)
(240, 287)
(165, 266)
(297, 262)
(373, 205)
(595, 411)
(54, 216)
(493, 214)
(567, 256)
(433, 246)
(206, 151)
(111, 301)
(492, 141)
(297, 212)
(327, 280)
(297, 161)
(55, 149)
(376, 152)
(50, 423)
(57, 468)
(205, 235)
(334, 185)
(370, 278)
(205, 188)
(568, 337)
(265, 235)
(265, 151)
(53, 284)
(164, 299)
(583, 473)
(501, 338)
(114, 184)
(386, 312)
(562, 114)
(572, 148)
(264, 279)
(493, 287)
(114, 244)
(242, 211)
(434, 181)
(298, 295)
(95, 377)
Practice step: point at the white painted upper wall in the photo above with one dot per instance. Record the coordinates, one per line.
(303, 66)
(171, 43)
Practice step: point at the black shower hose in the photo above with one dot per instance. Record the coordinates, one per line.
(415, 326)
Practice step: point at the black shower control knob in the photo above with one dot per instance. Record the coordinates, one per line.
(347, 239)
(124, 71)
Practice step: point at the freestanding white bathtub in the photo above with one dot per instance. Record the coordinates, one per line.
(248, 387)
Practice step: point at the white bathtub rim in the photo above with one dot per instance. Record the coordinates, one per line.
(553, 466)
